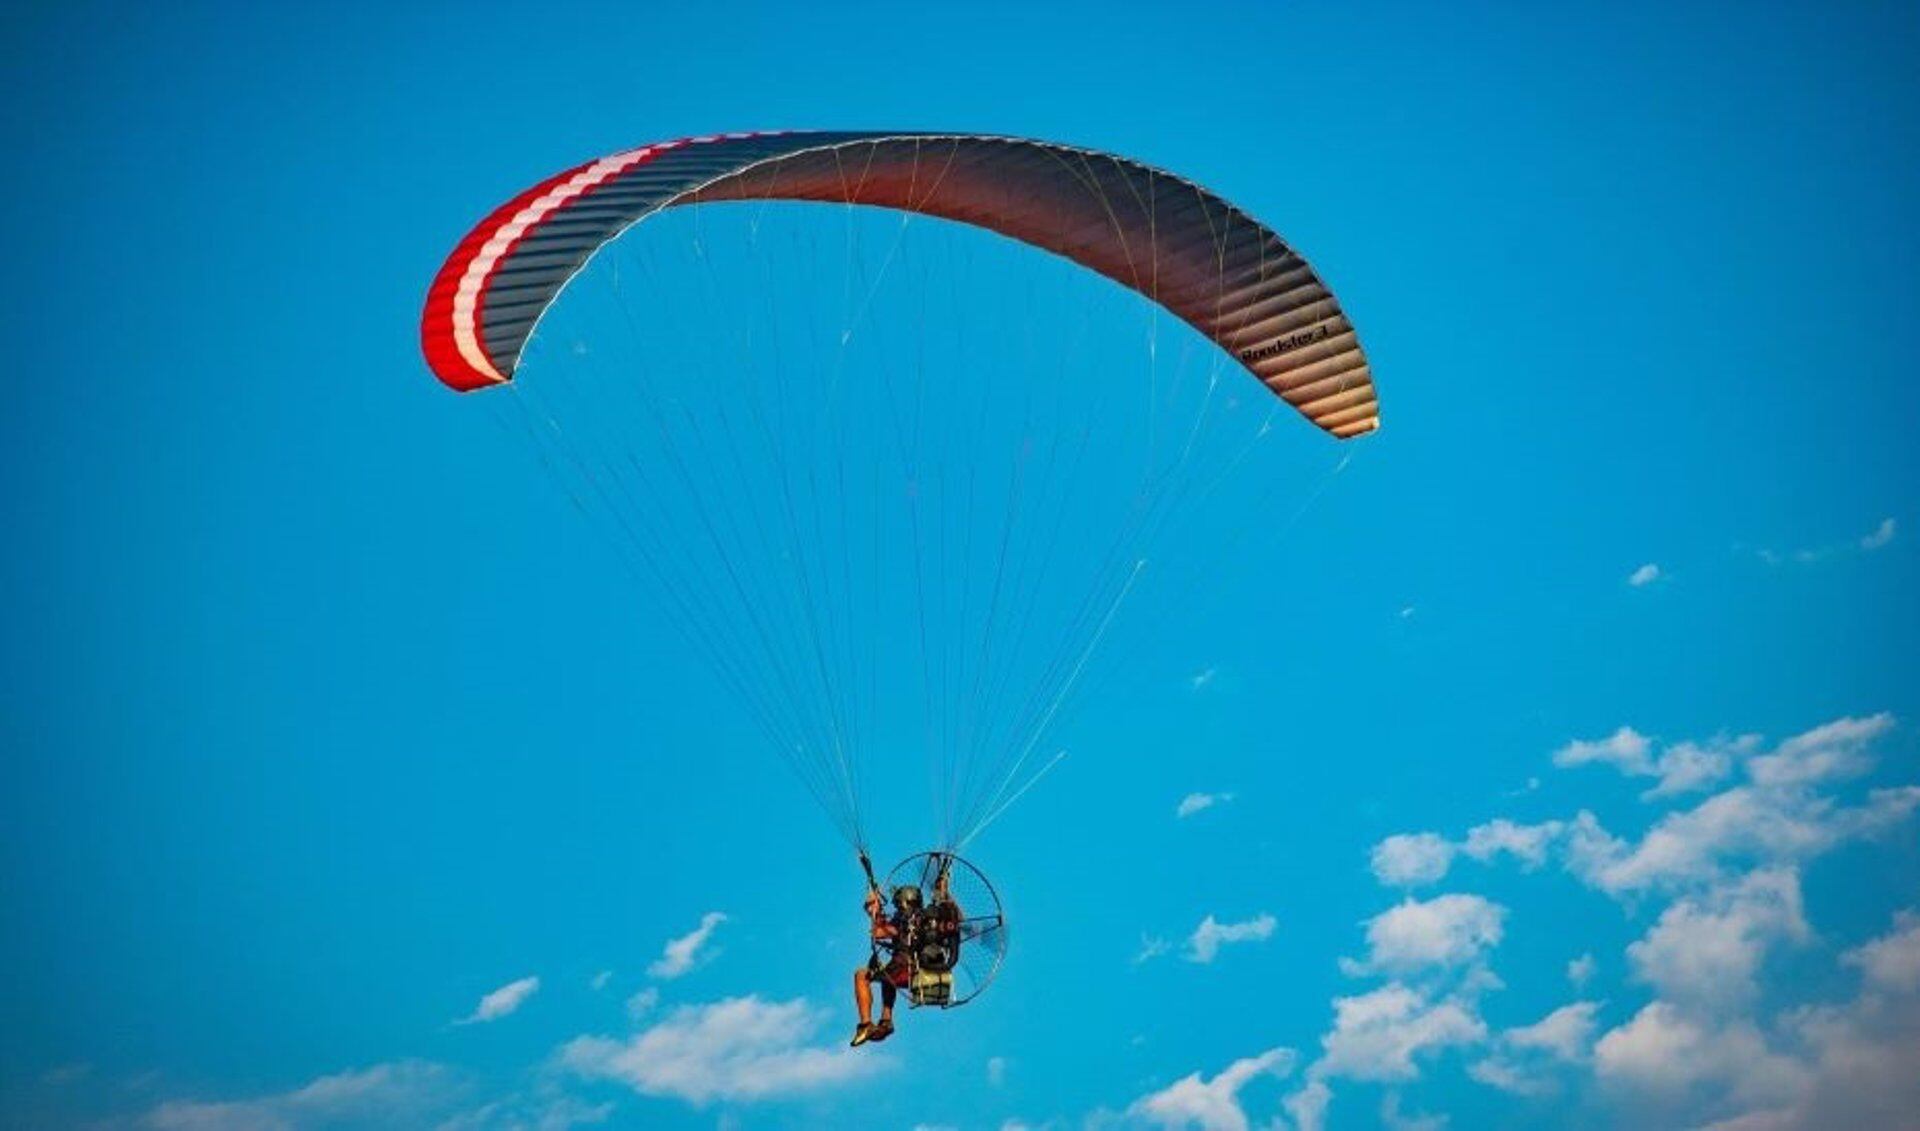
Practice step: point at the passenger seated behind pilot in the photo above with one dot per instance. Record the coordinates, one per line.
(936, 951)
(894, 935)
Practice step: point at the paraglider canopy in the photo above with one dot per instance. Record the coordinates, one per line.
(1209, 263)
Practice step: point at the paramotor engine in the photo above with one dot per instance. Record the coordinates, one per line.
(959, 937)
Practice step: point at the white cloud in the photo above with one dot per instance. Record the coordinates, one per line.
(1880, 535)
(1193, 1102)
(1394, 1119)
(1194, 802)
(1308, 1106)
(1835, 751)
(1525, 1060)
(599, 981)
(1207, 939)
(1499, 1072)
(1664, 1053)
(1526, 843)
(1200, 679)
(1724, 876)
(1626, 750)
(1379, 1035)
(1779, 817)
(399, 1094)
(1412, 859)
(1855, 1064)
(1706, 950)
(1661, 1050)
(1741, 824)
(1645, 575)
(1446, 932)
(739, 1050)
(996, 1071)
(1688, 767)
(502, 1001)
(1891, 962)
(1566, 1033)
(1683, 767)
(1862, 1064)
(682, 954)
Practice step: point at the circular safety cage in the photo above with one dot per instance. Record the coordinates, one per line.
(958, 939)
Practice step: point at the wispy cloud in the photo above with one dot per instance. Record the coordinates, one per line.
(541, 1110)
(1645, 575)
(737, 1050)
(1207, 939)
(642, 1002)
(1394, 1118)
(1682, 767)
(64, 1074)
(599, 981)
(1834, 751)
(1195, 802)
(502, 1001)
(1528, 1060)
(996, 1071)
(1201, 678)
(1151, 947)
(1195, 1103)
(684, 953)
(1879, 537)
(399, 1094)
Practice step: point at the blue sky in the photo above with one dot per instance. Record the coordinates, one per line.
(326, 723)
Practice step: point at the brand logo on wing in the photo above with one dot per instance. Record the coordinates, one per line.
(1288, 344)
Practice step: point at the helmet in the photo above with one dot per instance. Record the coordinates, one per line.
(907, 897)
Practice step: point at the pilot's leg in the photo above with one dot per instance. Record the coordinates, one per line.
(863, 995)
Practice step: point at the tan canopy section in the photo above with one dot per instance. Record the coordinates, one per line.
(1230, 277)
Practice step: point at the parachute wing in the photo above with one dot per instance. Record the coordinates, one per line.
(1204, 260)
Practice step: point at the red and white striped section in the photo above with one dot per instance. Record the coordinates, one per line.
(451, 325)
